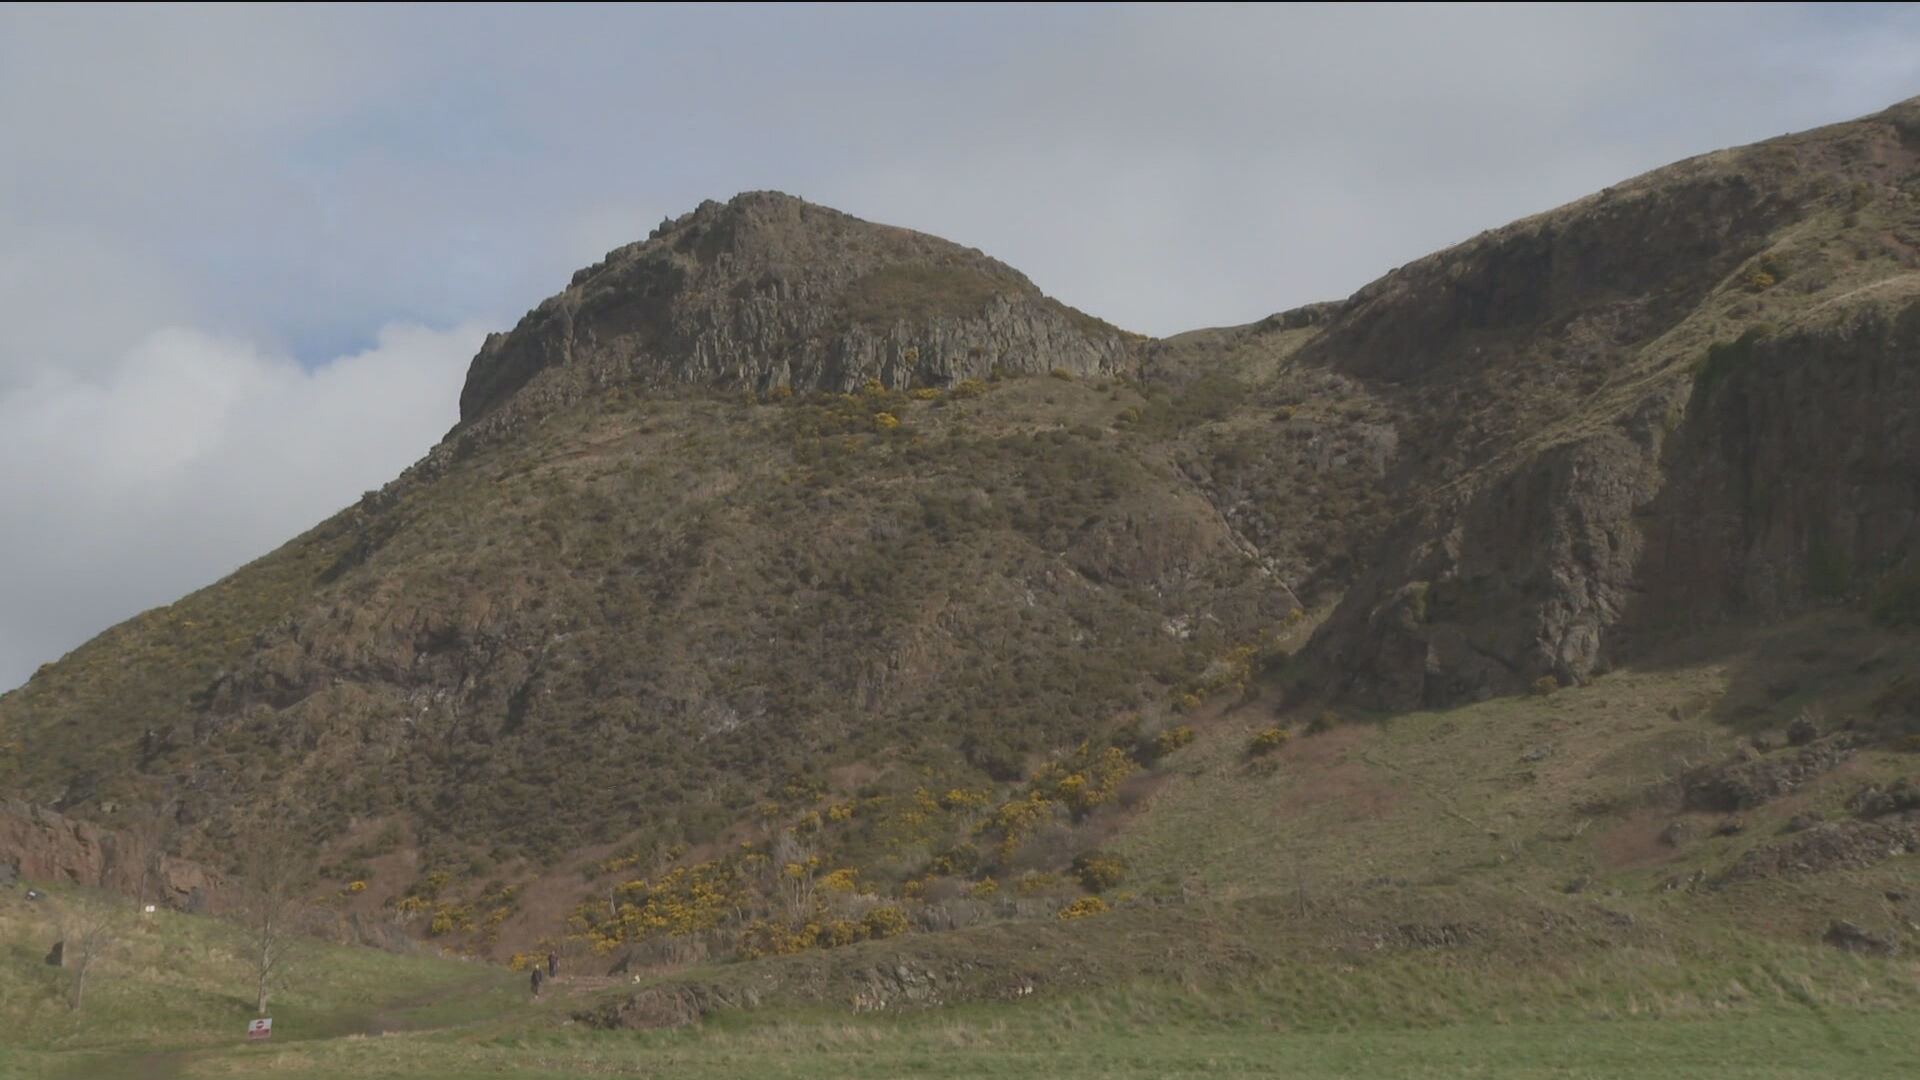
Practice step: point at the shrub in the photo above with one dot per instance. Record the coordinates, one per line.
(1083, 907)
(885, 421)
(1267, 740)
(884, 922)
(1098, 871)
(969, 388)
(924, 393)
(1035, 884)
(1896, 601)
(1544, 685)
(959, 859)
(1166, 742)
(448, 917)
(1209, 397)
(1323, 723)
(777, 939)
(843, 880)
(959, 798)
(1087, 780)
(1062, 374)
(1724, 357)
(1764, 275)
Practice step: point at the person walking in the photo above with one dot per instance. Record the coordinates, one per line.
(536, 982)
(553, 965)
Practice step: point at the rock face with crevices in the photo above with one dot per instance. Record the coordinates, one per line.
(769, 291)
(41, 845)
(1689, 398)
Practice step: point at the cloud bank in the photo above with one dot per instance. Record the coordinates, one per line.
(127, 487)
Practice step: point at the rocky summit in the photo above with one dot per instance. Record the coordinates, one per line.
(768, 292)
(791, 580)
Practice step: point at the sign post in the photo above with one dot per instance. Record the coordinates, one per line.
(261, 1028)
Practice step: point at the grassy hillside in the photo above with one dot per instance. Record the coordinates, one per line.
(1535, 792)
(166, 985)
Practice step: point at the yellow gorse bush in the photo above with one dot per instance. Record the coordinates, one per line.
(1267, 740)
(1083, 907)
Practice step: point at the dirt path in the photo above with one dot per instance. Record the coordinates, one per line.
(587, 984)
(139, 1065)
(387, 1015)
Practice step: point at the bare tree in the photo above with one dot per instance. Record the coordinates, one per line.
(270, 880)
(89, 925)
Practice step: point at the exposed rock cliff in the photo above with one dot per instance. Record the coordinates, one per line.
(1592, 447)
(41, 845)
(769, 291)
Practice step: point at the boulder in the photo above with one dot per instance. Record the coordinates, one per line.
(1853, 938)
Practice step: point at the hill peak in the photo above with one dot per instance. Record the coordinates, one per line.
(770, 290)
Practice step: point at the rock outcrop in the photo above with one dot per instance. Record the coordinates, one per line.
(40, 845)
(1688, 398)
(769, 291)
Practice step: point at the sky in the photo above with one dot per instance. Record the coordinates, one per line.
(247, 252)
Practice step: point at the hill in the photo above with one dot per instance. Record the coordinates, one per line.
(792, 582)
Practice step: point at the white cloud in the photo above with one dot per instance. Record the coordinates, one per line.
(191, 455)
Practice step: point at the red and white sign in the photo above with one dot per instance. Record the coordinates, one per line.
(261, 1028)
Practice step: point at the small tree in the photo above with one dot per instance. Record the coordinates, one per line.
(270, 877)
(89, 927)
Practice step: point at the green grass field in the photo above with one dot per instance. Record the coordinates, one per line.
(992, 1045)
(171, 1001)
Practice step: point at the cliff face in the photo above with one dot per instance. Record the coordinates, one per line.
(768, 291)
(40, 845)
(1597, 453)
(1795, 478)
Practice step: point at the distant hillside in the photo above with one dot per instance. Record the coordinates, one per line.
(791, 580)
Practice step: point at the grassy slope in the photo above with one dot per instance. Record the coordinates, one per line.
(1525, 795)
(172, 984)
